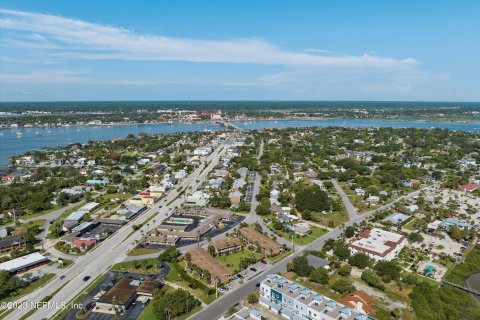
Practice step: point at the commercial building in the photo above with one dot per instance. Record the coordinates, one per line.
(130, 211)
(198, 198)
(121, 295)
(204, 260)
(84, 228)
(202, 151)
(378, 244)
(293, 301)
(75, 216)
(10, 244)
(227, 245)
(89, 207)
(83, 244)
(24, 263)
(146, 288)
(256, 239)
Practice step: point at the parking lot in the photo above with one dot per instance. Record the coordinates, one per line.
(246, 275)
(107, 283)
(99, 316)
(439, 244)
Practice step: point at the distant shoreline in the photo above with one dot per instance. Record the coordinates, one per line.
(435, 120)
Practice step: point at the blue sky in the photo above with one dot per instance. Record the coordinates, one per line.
(243, 50)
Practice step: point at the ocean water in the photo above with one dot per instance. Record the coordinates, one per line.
(19, 140)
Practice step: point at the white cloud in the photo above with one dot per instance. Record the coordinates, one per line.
(46, 77)
(76, 39)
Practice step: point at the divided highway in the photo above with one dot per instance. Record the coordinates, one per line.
(110, 251)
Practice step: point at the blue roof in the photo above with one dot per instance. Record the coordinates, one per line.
(293, 286)
(96, 182)
(305, 292)
(331, 303)
(271, 276)
(346, 310)
(318, 297)
(396, 218)
(282, 281)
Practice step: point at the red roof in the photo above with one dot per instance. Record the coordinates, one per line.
(83, 242)
(470, 187)
(358, 298)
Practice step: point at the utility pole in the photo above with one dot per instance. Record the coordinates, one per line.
(293, 246)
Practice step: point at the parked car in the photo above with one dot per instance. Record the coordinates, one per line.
(253, 269)
(86, 278)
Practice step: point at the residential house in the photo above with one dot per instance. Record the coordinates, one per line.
(14, 243)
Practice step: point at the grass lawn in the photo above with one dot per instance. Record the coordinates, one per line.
(148, 266)
(411, 224)
(316, 233)
(31, 287)
(117, 195)
(38, 223)
(66, 264)
(330, 219)
(147, 313)
(275, 259)
(232, 261)
(174, 276)
(141, 251)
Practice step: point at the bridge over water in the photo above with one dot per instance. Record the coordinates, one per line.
(229, 125)
(475, 292)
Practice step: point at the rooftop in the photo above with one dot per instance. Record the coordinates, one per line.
(253, 235)
(23, 262)
(377, 241)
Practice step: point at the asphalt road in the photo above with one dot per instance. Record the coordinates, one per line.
(352, 212)
(110, 251)
(216, 309)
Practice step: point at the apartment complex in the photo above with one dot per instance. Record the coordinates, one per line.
(292, 301)
(227, 245)
(378, 244)
(204, 260)
(256, 239)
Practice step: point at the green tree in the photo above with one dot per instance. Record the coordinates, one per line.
(252, 298)
(343, 285)
(360, 260)
(319, 275)
(301, 266)
(345, 270)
